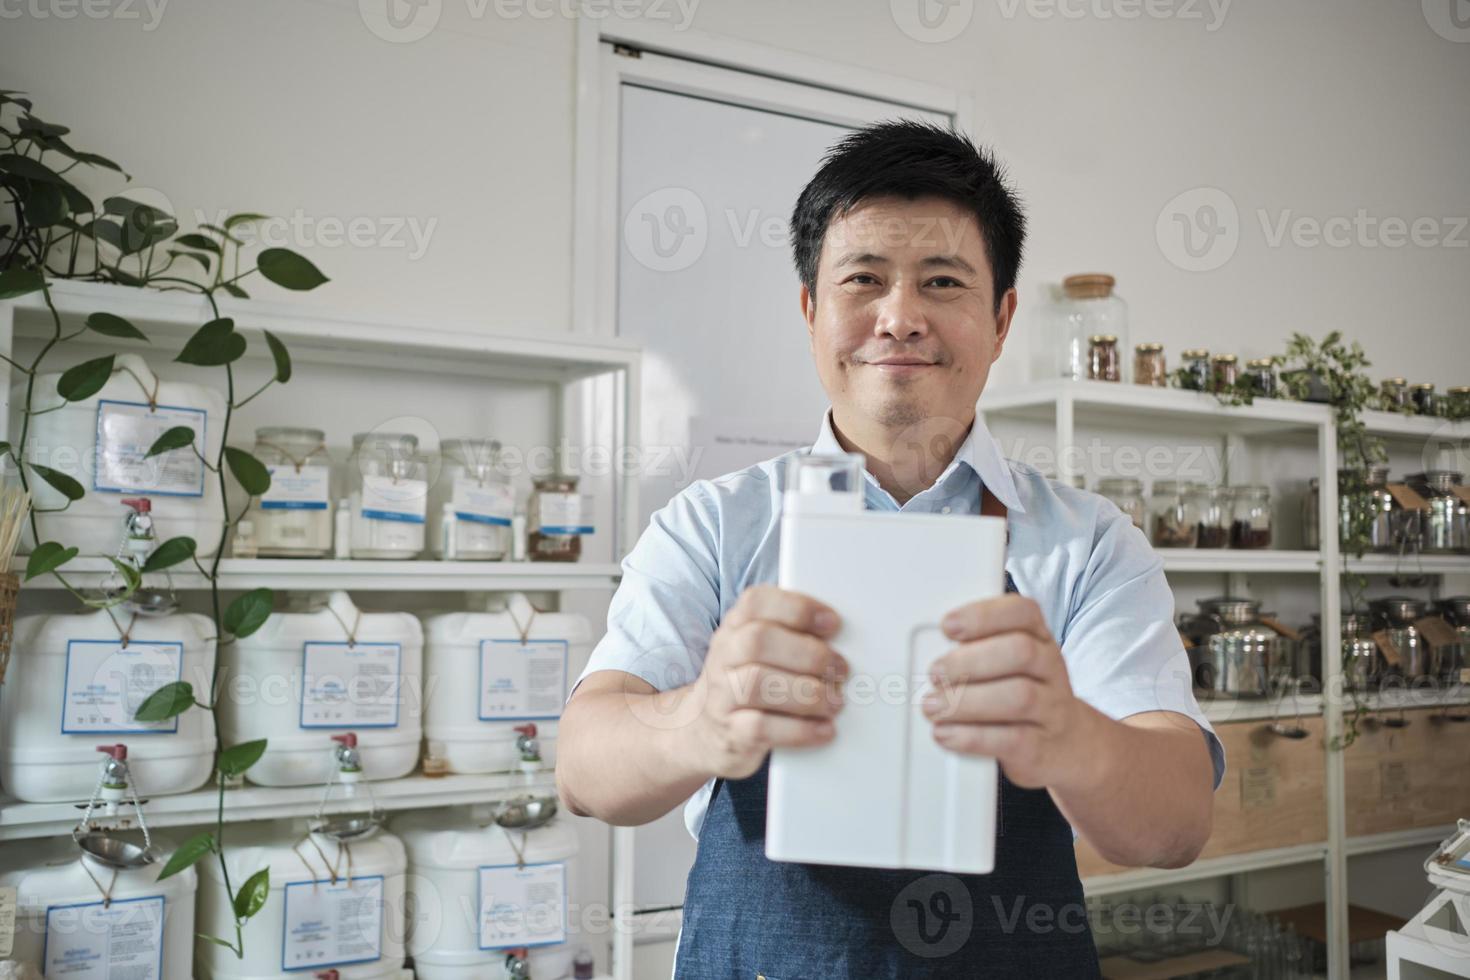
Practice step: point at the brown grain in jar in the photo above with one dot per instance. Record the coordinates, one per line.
(1102, 358)
(1148, 365)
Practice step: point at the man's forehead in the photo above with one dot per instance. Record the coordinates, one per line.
(883, 227)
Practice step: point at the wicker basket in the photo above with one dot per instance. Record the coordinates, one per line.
(9, 591)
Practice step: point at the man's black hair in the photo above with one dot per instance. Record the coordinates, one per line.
(910, 159)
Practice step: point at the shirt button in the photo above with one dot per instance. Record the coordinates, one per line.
(944, 510)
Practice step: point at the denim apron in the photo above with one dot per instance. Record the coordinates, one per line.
(750, 918)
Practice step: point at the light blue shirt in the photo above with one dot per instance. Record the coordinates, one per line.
(1098, 581)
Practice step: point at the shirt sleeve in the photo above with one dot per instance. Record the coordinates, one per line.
(1123, 652)
(667, 606)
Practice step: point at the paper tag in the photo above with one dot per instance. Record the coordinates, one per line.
(1281, 628)
(7, 919)
(93, 942)
(291, 489)
(492, 502)
(387, 499)
(522, 681)
(523, 906)
(125, 433)
(563, 513)
(1407, 497)
(333, 925)
(1438, 632)
(1393, 780)
(1387, 648)
(1461, 491)
(1257, 787)
(105, 683)
(350, 685)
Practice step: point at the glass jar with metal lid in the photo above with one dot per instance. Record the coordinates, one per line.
(388, 492)
(1456, 611)
(1426, 401)
(1212, 507)
(1393, 395)
(1223, 372)
(1149, 366)
(1457, 402)
(1260, 375)
(1173, 521)
(1396, 616)
(471, 504)
(1103, 361)
(1194, 371)
(1387, 525)
(1234, 652)
(1362, 664)
(1250, 516)
(1444, 528)
(1127, 493)
(558, 517)
(293, 518)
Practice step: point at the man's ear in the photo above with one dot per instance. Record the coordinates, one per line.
(809, 313)
(1005, 315)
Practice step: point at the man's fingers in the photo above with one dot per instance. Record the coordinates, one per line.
(994, 657)
(773, 689)
(756, 729)
(790, 609)
(765, 642)
(988, 617)
(1013, 700)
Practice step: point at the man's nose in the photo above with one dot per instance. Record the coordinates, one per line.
(901, 314)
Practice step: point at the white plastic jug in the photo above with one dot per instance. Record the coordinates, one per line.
(64, 927)
(73, 683)
(306, 676)
(101, 443)
(332, 906)
(883, 793)
(485, 674)
(480, 890)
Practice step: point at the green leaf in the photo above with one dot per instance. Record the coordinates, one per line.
(203, 260)
(216, 940)
(251, 897)
(69, 488)
(281, 355)
(234, 290)
(85, 379)
(193, 240)
(126, 278)
(287, 269)
(28, 168)
(243, 217)
(217, 230)
(238, 758)
(188, 854)
(48, 556)
(213, 344)
(97, 160)
(44, 205)
(175, 438)
(35, 126)
(251, 472)
(110, 325)
(4, 448)
(166, 702)
(248, 612)
(170, 553)
(18, 282)
(107, 232)
(132, 579)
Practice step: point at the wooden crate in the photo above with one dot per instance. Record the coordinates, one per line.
(1404, 778)
(1273, 794)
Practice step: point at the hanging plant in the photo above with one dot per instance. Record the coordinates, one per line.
(54, 232)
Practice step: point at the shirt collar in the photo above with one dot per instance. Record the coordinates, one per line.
(979, 451)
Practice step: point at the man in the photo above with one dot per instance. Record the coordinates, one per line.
(907, 243)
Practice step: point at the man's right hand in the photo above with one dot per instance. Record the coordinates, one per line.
(769, 679)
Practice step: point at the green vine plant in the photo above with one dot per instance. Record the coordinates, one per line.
(55, 232)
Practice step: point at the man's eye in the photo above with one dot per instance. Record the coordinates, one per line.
(864, 279)
(946, 281)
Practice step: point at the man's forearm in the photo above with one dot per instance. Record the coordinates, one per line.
(1143, 796)
(625, 757)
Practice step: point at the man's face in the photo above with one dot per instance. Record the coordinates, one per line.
(904, 325)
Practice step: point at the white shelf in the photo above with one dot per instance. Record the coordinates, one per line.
(364, 576)
(1261, 709)
(1148, 878)
(29, 820)
(1105, 404)
(1424, 837)
(1226, 560)
(1394, 427)
(1410, 565)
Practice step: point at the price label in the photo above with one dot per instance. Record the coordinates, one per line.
(93, 941)
(105, 682)
(333, 924)
(524, 906)
(522, 681)
(291, 489)
(488, 503)
(387, 499)
(125, 433)
(7, 919)
(564, 513)
(351, 685)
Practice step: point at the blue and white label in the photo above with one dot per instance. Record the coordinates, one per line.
(91, 941)
(564, 513)
(105, 683)
(387, 499)
(522, 681)
(351, 685)
(308, 488)
(523, 906)
(125, 433)
(493, 502)
(333, 924)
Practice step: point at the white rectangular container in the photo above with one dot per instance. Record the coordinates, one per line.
(883, 793)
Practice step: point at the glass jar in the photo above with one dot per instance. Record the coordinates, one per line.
(1209, 504)
(1260, 375)
(1311, 515)
(1090, 308)
(1250, 516)
(1445, 526)
(1362, 664)
(1102, 358)
(1393, 395)
(1457, 403)
(388, 493)
(293, 518)
(1223, 372)
(1149, 367)
(1426, 402)
(1195, 374)
(1397, 615)
(1456, 611)
(558, 518)
(471, 504)
(1127, 494)
(1172, 520)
